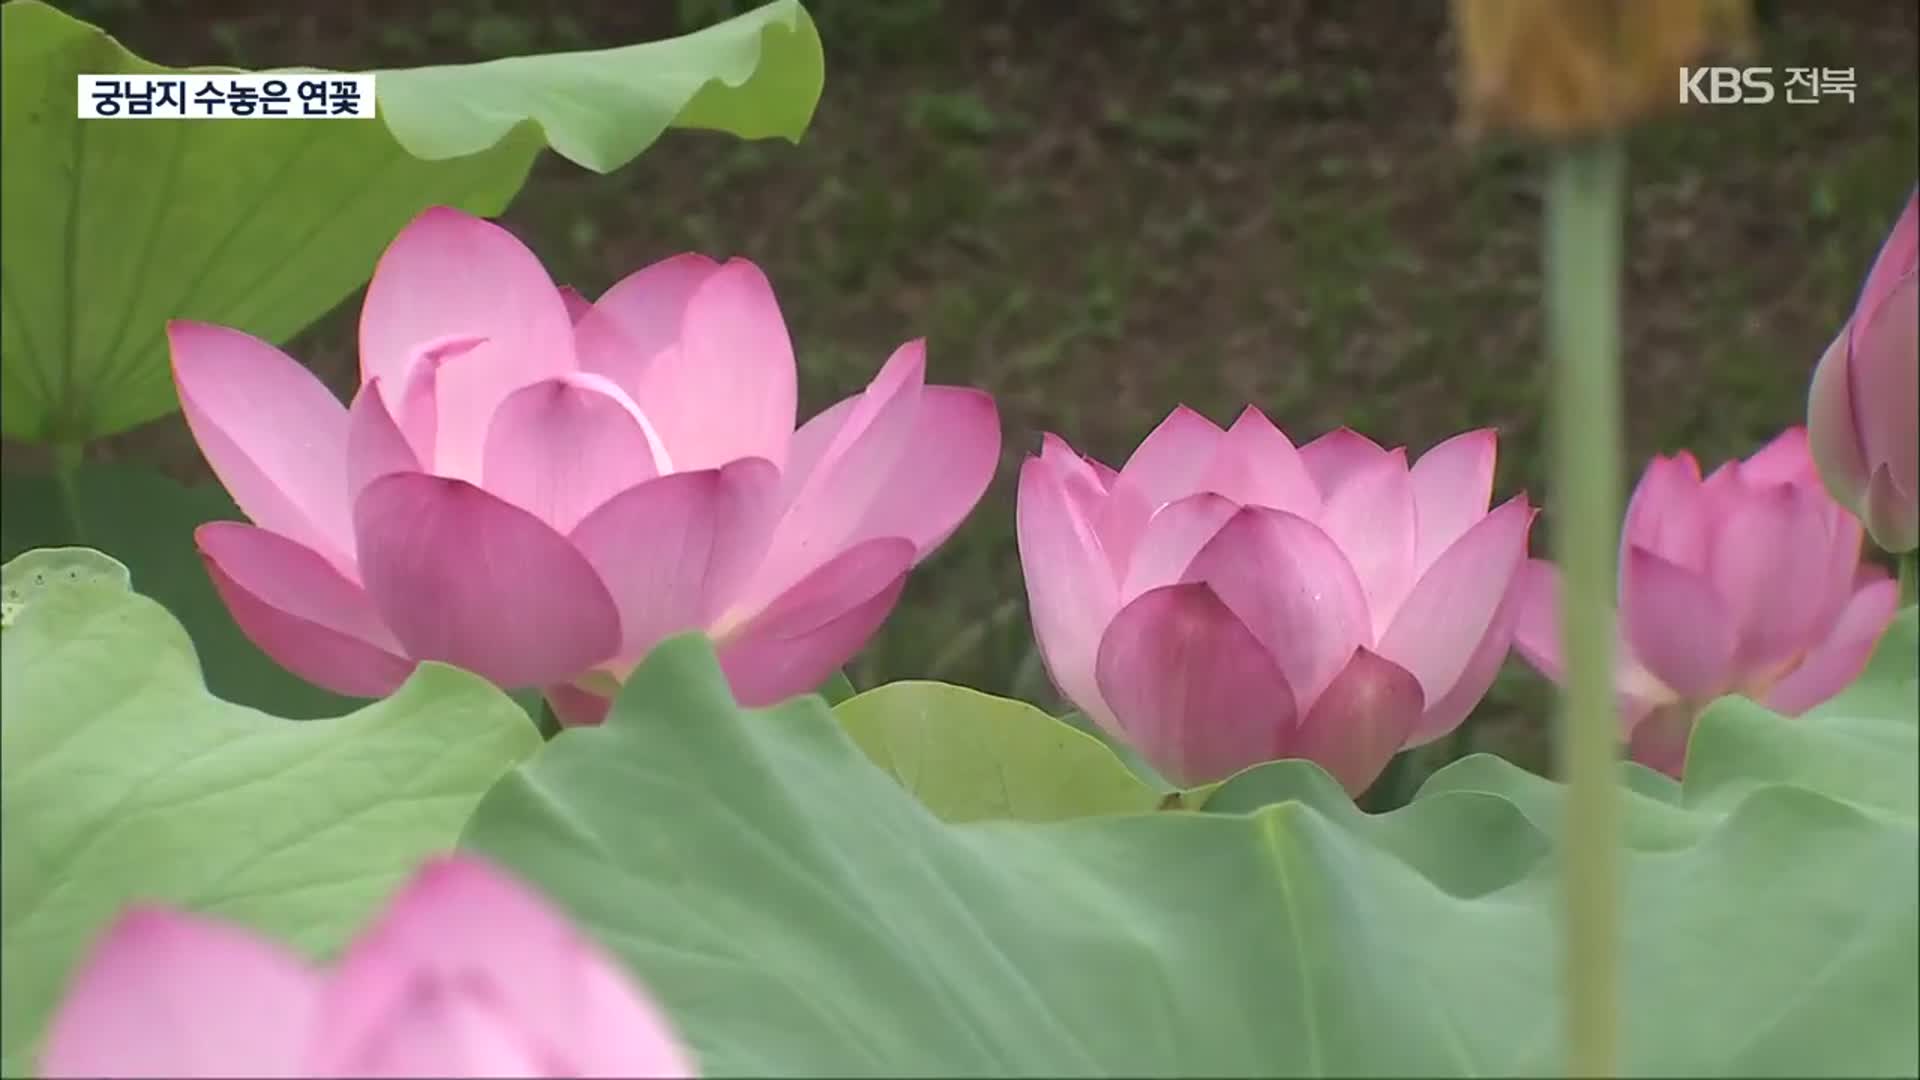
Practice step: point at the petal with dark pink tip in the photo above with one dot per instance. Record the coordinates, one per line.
(464, 577)
(1191, 688)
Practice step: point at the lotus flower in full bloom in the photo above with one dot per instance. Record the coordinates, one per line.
(1227, 599)
(1863, 412)
(1746, 582)
(538, 489)
(466, 973)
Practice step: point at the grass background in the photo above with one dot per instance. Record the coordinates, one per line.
(1097, 210)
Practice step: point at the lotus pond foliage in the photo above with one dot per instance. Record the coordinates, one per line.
(491, 721)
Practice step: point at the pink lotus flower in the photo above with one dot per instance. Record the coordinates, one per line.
(466, 973)
(1862, 409)
(1226, 599)
(1748, 582)
(539, 490)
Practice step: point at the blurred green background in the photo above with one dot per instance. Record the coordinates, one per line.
(1099, 209)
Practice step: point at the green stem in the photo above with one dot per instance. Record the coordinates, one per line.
(66, 462)
(1909, 577)
(1583, 255)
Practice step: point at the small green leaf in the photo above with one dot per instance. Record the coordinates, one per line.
(970, 756)
(122, 779)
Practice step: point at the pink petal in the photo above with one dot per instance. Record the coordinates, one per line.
(444, 1030)
(1659, 739)
(1680, 626)
(1536, 622)
(1886, 382)
(943, 473)
(1452, 489)
(273, 434)
(467, 938)
(1088, 486)
(1897, 258)
(1666, 514)
(575, 707)
(675, 551)
(1483, 667)
(464, 577)
(1785, 459)
(1892, 513)
(577, 305)
(561, 447)
(1372, 516)
(415, 394)
(1449, 611)
(1293, 588)
(1171, 460)
(449, 273)
(1255, 465)
(851, 472)
(1167, 465)
(1832, 431)
(644, 311)
(1191, 688)
(164, 994)
(1536, 637)
(1332, 457)
(1769, 563)
(1174, 536)
(375, 444)
(452, 275)
(1361, 720)
(299, 610)
(729, 391)
(810, 631)
(1833, 664)
(1071, 591)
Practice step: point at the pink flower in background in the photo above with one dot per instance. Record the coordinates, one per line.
(1225, 599)
(1863, 412)
(539, 490)
(1747, 582)
(466, 973)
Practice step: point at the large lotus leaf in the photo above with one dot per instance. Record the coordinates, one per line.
(146, 521)
(122, 779)
(801, 913)
(970, 756)
(108, 228)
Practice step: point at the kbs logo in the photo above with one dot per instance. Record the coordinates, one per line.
(1726, 85)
